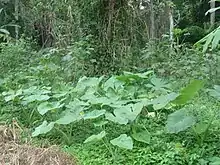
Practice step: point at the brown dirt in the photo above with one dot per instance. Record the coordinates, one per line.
(13, 153)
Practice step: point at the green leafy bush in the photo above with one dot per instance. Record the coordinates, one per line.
(118, 99)
(14, 56)
(192, 34)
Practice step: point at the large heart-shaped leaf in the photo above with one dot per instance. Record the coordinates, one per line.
(11, 95)
(48, 106)
(214, 160)
(129, 112)
(188, 92)
(129, 77)
(71, 115)
(116, 119)
(43, 128)
(161, 101)
(97, 137)
(113, 83)
(33, 98)
(123, 141)
(215, 92)
(158, 84)
(200, 128)
(94, 114)
(87, 82)
(179, 121)
(142, 136)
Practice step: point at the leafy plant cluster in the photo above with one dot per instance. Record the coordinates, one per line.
(143, 110)
(181, 61)
(118, 99)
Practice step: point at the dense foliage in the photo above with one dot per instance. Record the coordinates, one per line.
(110, 81)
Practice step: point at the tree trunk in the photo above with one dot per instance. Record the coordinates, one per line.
(152, 20)
(16, 18)
(212, 16)
(171, 23)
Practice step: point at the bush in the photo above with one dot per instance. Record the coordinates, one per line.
(192, 34)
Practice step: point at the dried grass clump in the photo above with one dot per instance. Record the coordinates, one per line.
(13, 153)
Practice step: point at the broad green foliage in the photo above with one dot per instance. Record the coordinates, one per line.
(43, 128)
(215, 92)
(48, 106)
(179, 121)
(188, 92)
(123, 141)
(163, 100)
(118, 99)
(84, 90)
(142, 136)
(214, 160)
(11, 95)
(94, 114)
(94, 138)
(200, 128)
(212, 39)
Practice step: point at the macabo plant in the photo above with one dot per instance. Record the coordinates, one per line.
(118, 99)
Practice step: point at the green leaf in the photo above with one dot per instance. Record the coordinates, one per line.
(2, 81)
(212, 10)
(94, 114)
(11, 95)
(43, 128)
(112, 83)
(124, 114)
(30, 90)
(87, 82)
(71, 115)
(142, 136)
(161, 101)
(208, 41)
(33, 98)
(214, 160)
(95, 138)
(75, 103)
(100, 123)
(136, 109)
(179, 121)
(101, 100)
(4, 31)
(188, 92)
(200, 127)
(116, 119)
(216, 39)
(123, 141)
(159, 84)
(48, 106)
(215, 92)
(129, 112)
(129, 77)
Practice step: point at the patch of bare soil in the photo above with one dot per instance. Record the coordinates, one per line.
(13, 153)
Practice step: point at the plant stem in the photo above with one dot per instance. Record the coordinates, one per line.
(110, 150)
(207, 129)
(64, 134)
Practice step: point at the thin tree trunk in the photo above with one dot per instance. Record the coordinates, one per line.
(152, 20)
(171, 23)
(212, 16)
(16, 18)
(110, 18)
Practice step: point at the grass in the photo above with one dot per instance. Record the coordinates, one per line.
(167, 149)
(163, 148)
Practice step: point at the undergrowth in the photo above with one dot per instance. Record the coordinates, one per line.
(154, 114)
